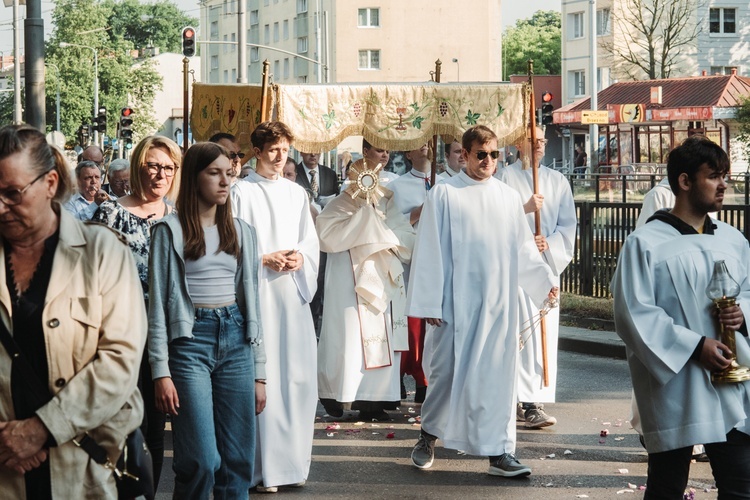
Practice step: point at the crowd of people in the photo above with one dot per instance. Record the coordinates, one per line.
(194, 286)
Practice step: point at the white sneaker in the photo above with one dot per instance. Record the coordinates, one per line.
(520, 413)
(263, 489)
(536, 418)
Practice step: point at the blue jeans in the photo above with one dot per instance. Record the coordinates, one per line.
(214, 433)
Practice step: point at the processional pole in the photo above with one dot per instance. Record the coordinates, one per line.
(537, 213)
(433, 170)
(264, 92)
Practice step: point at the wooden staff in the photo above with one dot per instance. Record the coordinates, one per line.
(537, 214)
(264, 111)
(433, 171)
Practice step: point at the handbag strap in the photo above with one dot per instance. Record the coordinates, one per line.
(97, 453)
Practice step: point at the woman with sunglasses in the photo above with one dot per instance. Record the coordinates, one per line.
(154, 178)
(205, 339)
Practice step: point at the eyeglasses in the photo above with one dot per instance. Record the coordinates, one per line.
(13, 197)
(481, 155)
(234, 156)
(154, 168)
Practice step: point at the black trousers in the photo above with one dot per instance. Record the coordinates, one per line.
(154, 421)
(730, 464)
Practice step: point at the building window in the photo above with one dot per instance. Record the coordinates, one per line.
(368, 18)
(234, 74)
(579, 83)
(254, 54)
(225, 6)
(267, 34)
(275, 32)
(722, 21)
(286, 29)
(286, 68)
(232, 7)
(576, 22)
(602, 22)
(266, 3)
(723, 70)
(301, 6)
(226, 76)
(225, 46)
(254, 17)
(302, 79)
(602, 78)
(302, 45)
(215, 30)
(234, 39)
(276, 70)
(369, 59)
(214, 63)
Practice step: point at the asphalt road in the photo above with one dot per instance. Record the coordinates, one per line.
(568, 460)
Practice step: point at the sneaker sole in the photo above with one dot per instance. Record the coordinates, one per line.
(494, 471)
(540, 425)
(425, 466)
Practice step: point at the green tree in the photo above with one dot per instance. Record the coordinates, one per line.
(157, 24)
(743, 119)
(536, 38)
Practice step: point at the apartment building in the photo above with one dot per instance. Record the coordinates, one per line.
(354, 40)
(721, 44)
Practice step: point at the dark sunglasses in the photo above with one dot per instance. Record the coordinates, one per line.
(481, 155)
(233, 156)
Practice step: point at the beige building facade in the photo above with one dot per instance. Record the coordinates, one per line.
(355, 40)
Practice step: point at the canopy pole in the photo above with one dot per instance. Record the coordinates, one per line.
(433, 169)
(537, 214)
(264, 92)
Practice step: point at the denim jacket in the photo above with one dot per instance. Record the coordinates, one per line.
(171, 313)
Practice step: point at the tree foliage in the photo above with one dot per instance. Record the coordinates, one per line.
(743, 119)
(651, 36)
(536, 38)
(116, 30)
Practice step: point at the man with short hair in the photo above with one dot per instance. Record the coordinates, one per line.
(318, 179)
(118, 175)
(89, 195)
(473, 250)
(455, 160)
(671, 329)
(235, 153)
(556, 244)
(280, 213)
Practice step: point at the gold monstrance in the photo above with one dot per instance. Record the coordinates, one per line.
(365, 181)
(723, 291)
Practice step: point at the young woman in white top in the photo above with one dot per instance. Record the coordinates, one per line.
(205, 340)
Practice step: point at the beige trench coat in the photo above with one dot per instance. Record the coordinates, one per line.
(95, 330)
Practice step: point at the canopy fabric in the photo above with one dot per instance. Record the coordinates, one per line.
(233, 109)
(399, 117)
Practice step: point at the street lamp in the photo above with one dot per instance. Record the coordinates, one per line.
(458, 70)
(96, 79)
(57, 97)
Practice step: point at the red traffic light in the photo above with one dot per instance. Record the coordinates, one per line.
(547, 97)
(188, 33)
(126, 112)
(188, 41)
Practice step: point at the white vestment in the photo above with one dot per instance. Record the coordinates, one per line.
(473, 250)
(559, 222)
(280, 212)
(352, 232)
(660, 196)
(409, 190)
(661, 313)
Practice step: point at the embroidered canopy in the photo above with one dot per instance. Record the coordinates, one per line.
(397, 117)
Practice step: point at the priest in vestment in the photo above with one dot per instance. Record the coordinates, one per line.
(364, 326)
(473, 250)
(671, 329)
(556, 243)
(280, 212)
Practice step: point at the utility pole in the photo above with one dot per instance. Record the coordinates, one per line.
(241, 41)
(34, 67)
(593, 128)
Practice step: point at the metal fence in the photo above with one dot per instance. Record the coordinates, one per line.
(602, 229)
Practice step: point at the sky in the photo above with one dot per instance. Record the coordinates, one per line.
(512, 10)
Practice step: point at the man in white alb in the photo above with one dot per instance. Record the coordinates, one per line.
(474, 249)
(556, 244)
(280, 212)
(454, 159)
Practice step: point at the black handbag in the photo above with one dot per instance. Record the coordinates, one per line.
(133, 471)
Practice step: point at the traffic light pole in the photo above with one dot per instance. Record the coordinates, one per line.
(185, 71)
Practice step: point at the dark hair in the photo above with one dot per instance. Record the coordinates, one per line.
(44, 157)
(448, 146)
(365, 144)
(479, 134)
(86, 164)
(222, 135)
(270, 133)
(688, 157)
(197, 158)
